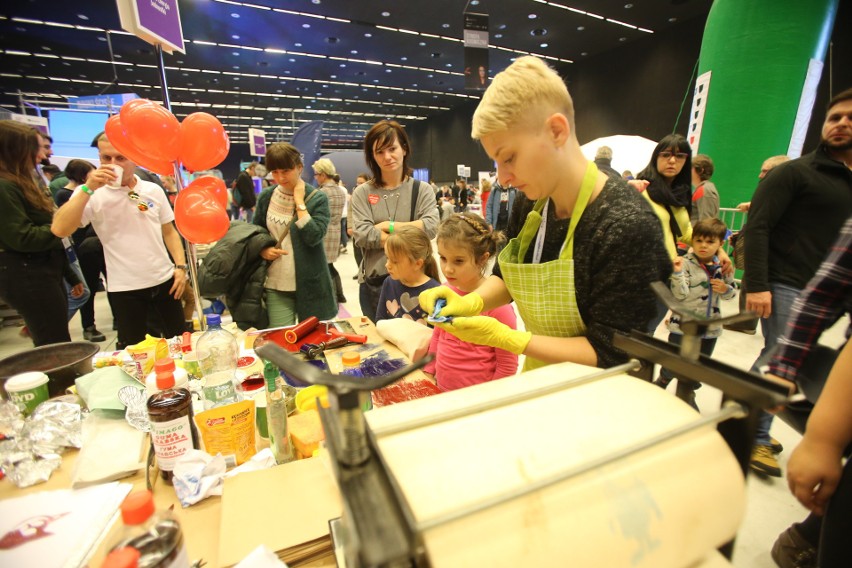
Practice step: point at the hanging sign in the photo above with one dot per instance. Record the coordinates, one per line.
(155, 21)
(257, 141)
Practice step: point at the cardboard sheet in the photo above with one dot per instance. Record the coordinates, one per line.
(286, 508)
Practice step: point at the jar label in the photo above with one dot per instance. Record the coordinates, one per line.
(172, 439)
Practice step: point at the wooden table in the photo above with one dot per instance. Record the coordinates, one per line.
(200, 522)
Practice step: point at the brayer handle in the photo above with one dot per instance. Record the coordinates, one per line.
(352, 337)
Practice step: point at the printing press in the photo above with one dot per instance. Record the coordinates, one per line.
(565, 465)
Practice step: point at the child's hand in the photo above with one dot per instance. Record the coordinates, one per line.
(677, 263)
(719, 286)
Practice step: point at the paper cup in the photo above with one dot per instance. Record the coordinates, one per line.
(119, 171)
(27, 390)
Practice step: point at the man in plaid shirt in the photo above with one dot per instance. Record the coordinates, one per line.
(827, 297)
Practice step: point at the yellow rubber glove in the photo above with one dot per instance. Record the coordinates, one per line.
(484, 330)
(469, 305)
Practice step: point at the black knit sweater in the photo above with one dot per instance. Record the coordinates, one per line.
(618, 252)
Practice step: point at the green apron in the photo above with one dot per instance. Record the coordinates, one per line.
(544, 292)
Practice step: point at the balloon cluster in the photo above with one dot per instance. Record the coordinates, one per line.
(150, 135)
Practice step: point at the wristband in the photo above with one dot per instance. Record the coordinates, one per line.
(85, 189)
(390, 229)
(184, 267)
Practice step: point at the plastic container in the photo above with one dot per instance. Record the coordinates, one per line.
(124, 557)
(276, 415)
(166, 366)
(28, 390)
(156, 535)
(306, 399)
(172, 429)
(217, 352)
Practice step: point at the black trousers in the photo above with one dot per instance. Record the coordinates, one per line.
(130, 310)
(31, 283)
(92, 264)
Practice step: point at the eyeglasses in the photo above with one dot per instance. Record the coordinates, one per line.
(141, 205)
(678, 155)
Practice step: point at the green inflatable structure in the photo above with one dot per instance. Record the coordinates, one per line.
(760, 64)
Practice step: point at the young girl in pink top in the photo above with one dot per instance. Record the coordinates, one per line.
(465, 244)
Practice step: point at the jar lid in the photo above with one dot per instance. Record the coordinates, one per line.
(351, 358)
(26, 381)
(124, 557)
(137, 507)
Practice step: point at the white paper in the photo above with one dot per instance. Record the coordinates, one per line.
(71, 522)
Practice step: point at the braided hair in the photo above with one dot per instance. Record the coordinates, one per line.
(474, 233)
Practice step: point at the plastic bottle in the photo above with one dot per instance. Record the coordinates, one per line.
(124, 557)
(164, 365)
(156, 535)
(352, 366)
(172, 429)
(276, 415)
(218, 352)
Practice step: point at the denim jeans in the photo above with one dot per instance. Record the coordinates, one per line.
(773, 328)
(75, 304)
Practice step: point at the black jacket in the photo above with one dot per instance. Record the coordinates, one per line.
(796, 214)
(244, 191)
(234, 268)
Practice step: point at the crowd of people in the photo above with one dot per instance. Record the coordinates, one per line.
(572, 243)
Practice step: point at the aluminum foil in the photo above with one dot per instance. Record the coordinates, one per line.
(11, 419)
(35, 445)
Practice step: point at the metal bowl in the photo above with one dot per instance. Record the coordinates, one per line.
(62, 362)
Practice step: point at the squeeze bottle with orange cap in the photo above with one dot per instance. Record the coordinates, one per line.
(155, 535)
(161, 366)
(172, 429)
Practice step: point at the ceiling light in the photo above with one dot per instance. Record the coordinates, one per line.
(584, 54)
(474, 2)
(368, 35)
(306, 26)
(234, 15)
(422, 44)
(83, 16)
(445, 25)
(385, 14)
(539, 32)
(672, 20)
(235, 36)
(532, 16)
(622, 39)
(297, 45)
(498, 36)
(628, 6)
(543, 45)
(235, 53)
(316, 1)
(581, 28)
(354, 52)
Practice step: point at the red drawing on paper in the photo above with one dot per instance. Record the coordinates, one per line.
(31, 529)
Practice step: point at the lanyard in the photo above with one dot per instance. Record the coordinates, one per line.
(586, 190)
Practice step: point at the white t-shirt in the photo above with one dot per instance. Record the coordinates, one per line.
(345, 202)
(135, 254)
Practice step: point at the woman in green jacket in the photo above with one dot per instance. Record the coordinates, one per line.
(32, 259)
(298, 283)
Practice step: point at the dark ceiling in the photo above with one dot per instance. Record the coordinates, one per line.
(275, 64)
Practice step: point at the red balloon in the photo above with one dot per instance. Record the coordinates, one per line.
(199, 217)
(212, 185)
(114, 130)
(152, 129)
(204, 144)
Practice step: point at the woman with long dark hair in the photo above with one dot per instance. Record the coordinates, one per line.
(669, 189)
(666, 182)
(32, 259)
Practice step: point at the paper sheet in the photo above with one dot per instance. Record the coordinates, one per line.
(281, 507)
(70, 521)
